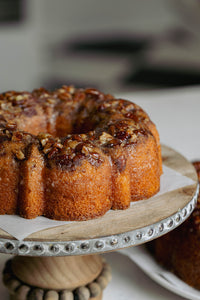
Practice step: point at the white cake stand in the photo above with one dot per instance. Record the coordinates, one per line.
(61, 263)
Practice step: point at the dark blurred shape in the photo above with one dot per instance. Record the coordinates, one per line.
(11, 11)
(162, 77)
(179, 36)
(103, 44)
(128, 60)
(117, 45)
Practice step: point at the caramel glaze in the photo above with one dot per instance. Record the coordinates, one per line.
(73, 154)
(179, 250)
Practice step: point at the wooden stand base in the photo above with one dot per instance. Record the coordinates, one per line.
(56, 278)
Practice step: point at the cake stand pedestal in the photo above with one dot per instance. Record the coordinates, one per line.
(62, 263)
(83, 277)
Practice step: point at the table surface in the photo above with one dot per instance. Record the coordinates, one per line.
(176, 114)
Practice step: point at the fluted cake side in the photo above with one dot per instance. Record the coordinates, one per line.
(73, 154)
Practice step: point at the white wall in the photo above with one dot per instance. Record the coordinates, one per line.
(24, 49)
(75, 16)
(19, 52)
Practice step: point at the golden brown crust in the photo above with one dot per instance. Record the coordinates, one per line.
(78, 152)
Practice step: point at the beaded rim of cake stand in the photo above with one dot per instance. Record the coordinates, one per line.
(102, 244)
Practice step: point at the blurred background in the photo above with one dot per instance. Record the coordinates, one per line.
(113, 45)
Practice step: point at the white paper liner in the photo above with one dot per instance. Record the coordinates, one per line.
(20, 228)
(145, 261)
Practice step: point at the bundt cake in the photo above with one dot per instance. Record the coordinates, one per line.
(179, 250)
(73, 154)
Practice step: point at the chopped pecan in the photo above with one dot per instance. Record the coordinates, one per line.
(11, 125)
(17, 136)
(92, 91)
(19, 98)
(8, 134)
(44, 138)
(48, 147)
(65, 96)
(83, 136)
(19, 155)
(122, 135)
(105, 138)
(72, 144)
(133, 138)
(51, 100)
(69, 89)
(5, 106)
(112, 143)
(79, 147)
(85, 150)
(52, 152)
(58, 145)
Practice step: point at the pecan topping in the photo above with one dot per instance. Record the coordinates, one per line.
(69, 89)
(104, 122)
(5, 106)
(8, 134)
(43, 138)
(51, 100)
(11, 125)
(112, 143)
(133, 138)
(48, 147)
(122, 135)
(92, 91)
(19, 98)
(105, 138)
(58, 145)
(72, 144)
(51, 151)
(65, 96)
(19, 155)
(86, 150)
(17, 136)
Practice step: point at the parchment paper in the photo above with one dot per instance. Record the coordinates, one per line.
(20, 228)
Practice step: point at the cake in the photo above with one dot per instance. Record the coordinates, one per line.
(179, 250)
(73, 154)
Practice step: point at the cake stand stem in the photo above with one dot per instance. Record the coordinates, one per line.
(56, 278)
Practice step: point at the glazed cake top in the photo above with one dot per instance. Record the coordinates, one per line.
(98, 123)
